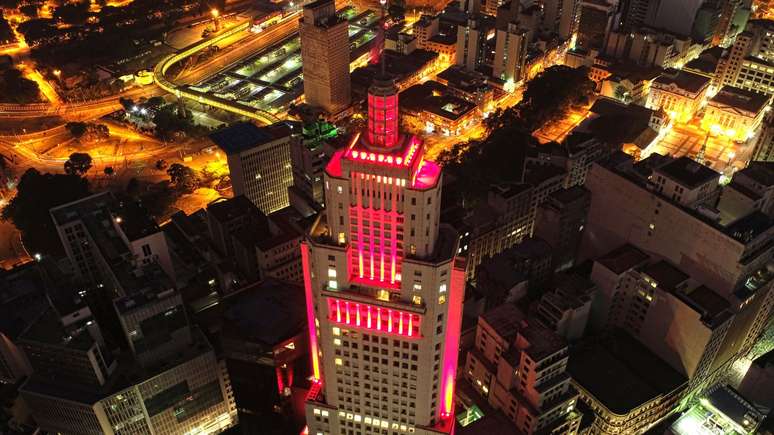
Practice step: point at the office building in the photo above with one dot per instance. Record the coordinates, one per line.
(325, 57)
(384, 289)
(259, 162)
(520, 368)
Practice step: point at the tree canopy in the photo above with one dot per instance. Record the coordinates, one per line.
(36, 194)
(183, 177)
(78, 164)
(14, 88)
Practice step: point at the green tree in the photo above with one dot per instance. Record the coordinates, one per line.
(72, 13)
(183, 177)
(17, 89)
(78, 164)
(36, 194)
(76, 129)
(109, 171)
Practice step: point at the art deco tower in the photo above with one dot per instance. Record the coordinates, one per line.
(384, 288)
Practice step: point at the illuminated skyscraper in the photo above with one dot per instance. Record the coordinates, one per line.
(384, 287)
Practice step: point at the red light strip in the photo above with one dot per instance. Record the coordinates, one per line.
(395, 322)
(310, 316)
(451, 342)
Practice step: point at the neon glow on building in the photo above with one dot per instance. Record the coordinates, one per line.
(384, 287)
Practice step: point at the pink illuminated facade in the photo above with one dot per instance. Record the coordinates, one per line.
(384, 288)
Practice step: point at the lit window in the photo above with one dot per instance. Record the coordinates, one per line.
(383, 295)
(358, 418)
(331, 272)
(442, 288)
(337, 341)
(339, 189)
(442, 299)
(332, 284)
(316, 412)
(417, 287)
(325, 413)
(342, 238)
(336, 330)
(416, 300)
(368, 420)
(338, 361)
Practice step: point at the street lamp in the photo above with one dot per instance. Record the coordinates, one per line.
(216, 17)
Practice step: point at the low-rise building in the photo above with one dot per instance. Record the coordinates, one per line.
(431, 107)
(520, 368)
(735, 112)
(566, 308)
(751, 188)
(679, 93)
(560, 222)
(469, 85)
(623, 386)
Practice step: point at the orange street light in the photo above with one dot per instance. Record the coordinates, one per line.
(215, 13)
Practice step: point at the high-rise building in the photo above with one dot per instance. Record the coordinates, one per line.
(520, 367)
(677, 16)
(764, 141)
(308, 155)
(748, 62)
(99, 231)
(637, 13)
(659, 304)
(561, 17)
(325, 54)
(471, 40)
(560, 222)
(595, 21)
(384, 288)
(173, 385)
(510, 53)
(670, 212)
(259, 162)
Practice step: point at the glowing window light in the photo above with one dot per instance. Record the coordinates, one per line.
(395, 322)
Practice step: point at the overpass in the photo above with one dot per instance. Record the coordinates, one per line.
(182, 91)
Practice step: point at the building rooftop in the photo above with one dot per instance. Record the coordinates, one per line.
(48, 329)
(22, 298)
(433, 97)
(623, 258)
(265, 313)
(740, 99)
(688, 172)
(246, 135)
(667, 276)
(684, 80)
(225, 210)
(506, 320)
(749, 227)
(543, 342)
(570, 195)
(708, 302)
(733, 406)
(622, 373)
(760, 172)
